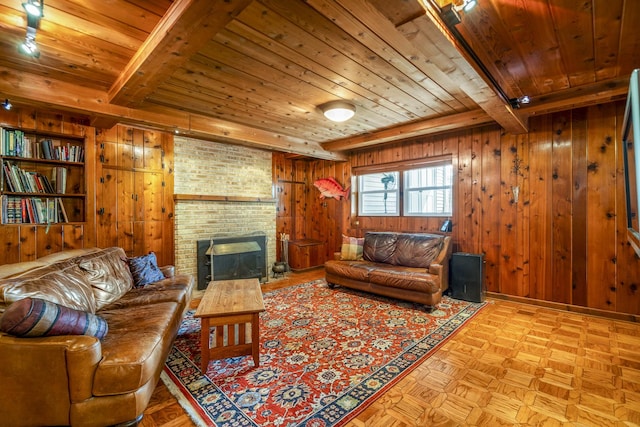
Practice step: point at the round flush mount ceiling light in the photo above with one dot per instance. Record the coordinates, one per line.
(338, 111)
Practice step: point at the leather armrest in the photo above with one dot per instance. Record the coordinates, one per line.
(168, 270)
(436, 269)
(34, 360)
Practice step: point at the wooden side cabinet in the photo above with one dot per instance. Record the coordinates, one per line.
(305, 254)
(135, 191)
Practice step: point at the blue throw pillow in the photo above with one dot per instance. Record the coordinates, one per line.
(144, 269)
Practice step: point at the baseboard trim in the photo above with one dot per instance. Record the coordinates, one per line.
(567, 307)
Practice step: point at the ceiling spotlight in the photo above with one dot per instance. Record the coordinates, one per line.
(29, 47)
(34, 7)
(338, 111)
(469, 4)
(7, 105)
(450, 12)
(518, 102)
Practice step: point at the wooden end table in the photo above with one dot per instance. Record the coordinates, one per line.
(225, 305)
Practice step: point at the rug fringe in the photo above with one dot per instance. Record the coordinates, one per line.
(183, 401)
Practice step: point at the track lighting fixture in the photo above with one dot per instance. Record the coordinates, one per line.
(34, 8)
(6, 104)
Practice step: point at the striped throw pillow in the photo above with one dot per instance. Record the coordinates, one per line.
(35, 317)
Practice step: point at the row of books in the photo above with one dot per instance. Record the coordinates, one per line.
(15, 143)
(54, 150)
(20, 181)
(32, 210)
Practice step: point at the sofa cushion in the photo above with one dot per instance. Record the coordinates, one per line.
(356, 270)
(144, 269)
(107, 272)
(405, 278)
(18, 268)
(35, 317)
(138, 341)
(66, 254)
(379, 247)
(174, 289)
(417, 250)
(63, 283)
(352, 248)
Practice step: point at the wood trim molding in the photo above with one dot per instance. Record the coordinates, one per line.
(214, 198)
(566, 307)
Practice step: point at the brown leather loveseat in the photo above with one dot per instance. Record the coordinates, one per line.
(408, 266)
(81, 380)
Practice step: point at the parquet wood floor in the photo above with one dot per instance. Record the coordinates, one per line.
(513, 364)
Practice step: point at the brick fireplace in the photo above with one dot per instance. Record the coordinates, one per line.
(221, 190)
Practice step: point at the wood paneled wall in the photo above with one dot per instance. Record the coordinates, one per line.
(563, 241)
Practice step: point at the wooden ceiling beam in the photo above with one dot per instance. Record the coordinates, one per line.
(23, 88)
(427, 32)
(184, 29)
(581, 96)
(596, 93)
(424, 127)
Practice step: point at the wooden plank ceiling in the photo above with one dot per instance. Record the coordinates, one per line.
(255, 71)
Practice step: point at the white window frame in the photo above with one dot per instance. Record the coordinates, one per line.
(446, 195)
(394, 192)
(400, 190)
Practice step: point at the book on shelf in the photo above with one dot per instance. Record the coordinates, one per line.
(52, 211)
(12, 210)
(59, 179)
(10, 185)
(4, 203)
(17, 179)
(30, 211)
(63, 211)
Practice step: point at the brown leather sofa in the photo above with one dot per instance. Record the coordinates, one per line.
(80, 380)
(408, 266)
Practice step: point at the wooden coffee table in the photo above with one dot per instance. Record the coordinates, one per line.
(231, 306)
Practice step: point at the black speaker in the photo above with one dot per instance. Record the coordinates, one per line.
(467, 277)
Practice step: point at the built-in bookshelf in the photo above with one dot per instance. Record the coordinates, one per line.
(42, 178)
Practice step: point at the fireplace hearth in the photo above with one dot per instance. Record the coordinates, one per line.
(234, 257)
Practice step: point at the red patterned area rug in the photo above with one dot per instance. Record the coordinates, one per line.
(325, 355)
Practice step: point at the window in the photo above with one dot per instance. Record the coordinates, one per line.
(424, 189)
(378, 194)
(428, 191)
